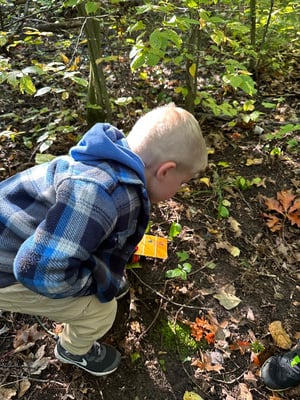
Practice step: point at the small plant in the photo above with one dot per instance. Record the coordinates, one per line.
(183, 268)
(244, 183)
(257, 347)
(174, 230)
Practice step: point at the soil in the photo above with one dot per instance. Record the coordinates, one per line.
(158, 363)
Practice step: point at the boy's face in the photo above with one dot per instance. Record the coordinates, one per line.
(164, 182)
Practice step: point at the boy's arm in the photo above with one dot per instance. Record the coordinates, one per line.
(56, 261)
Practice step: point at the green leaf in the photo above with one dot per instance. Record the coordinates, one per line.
(173, 37)
(289, 128)
(175, 230)
(42, 158)
(152, 59)
(187, 267)
(268, 105)
(138, 61)
(3, 39)
(182, 256)
(223, 211)
(156, 39)
(71, 3)
(91, 7)
(173, 273)
(26, 85)
(79, 81)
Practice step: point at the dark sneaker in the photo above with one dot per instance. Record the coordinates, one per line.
(283, 371)
(101, 360)
(123, 289)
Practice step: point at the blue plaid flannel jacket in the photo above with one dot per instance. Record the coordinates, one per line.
(68, 228)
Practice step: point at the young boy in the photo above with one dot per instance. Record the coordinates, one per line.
(68, 227)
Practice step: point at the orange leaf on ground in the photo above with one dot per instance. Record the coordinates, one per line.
(201, 328)
(240, 345)
(273, 205)
(294, 213)
(273, 223)
(286, 198)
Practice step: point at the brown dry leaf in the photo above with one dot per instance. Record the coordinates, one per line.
(235, 226)
(294, 213)
(26, 335)
(7, 394)
(206, 364)
(250, 378)
(254, 161)
(242, 346)
(136, 326)
(287, 205)
(24, 347)
(38, 362)
(279, 335)
(233, 250)
(24, 385)
(273, 222)
(286, 198)
(273, 205)
(244, 392)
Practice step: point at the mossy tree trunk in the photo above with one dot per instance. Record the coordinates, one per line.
(99, 107)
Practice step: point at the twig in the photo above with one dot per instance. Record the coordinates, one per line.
(151, 323)
(229, 382)
(168, 299)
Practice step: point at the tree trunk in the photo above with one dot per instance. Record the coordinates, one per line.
(99, 107)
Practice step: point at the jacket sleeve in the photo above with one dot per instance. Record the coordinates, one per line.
(57, 260)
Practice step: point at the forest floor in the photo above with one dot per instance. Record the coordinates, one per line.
(243, 277)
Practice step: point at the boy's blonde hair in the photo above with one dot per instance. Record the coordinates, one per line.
(169, 133)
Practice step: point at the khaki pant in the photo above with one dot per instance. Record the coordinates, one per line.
(85, 318)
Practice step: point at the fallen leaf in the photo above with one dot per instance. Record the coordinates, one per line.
(235, 226)
(233, 250)
(206, 364)
(287, 206)
(254, 161)
(285, 197)
(24, 385)
(7, 394)
(244, 392)
(241, 345)
(38, 362)
(26, 335)
(205, 180)
(279, 335)
(294, 213)
(191, 396)
(227, 298)
(249, 377)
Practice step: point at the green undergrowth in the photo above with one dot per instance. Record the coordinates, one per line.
(177, 337)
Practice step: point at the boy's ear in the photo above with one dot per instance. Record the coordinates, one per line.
(164, 168)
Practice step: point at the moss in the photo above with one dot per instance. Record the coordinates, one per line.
(178, 337)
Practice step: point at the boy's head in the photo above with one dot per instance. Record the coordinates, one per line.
(169, 141)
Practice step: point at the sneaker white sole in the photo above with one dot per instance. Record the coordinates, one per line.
(66, 361)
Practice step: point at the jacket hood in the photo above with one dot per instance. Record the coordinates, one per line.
(104, 142)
